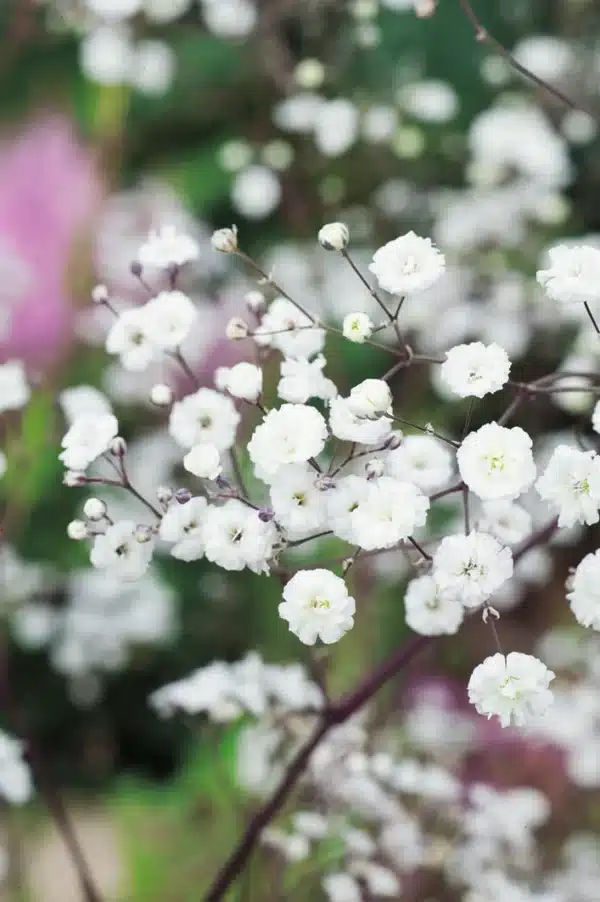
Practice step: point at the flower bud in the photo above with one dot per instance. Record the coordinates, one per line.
(77, 530)
(225, 240)
(118, 446)
(182, 496)
(143, 534)
(161, 395)
(266, 514)
(309, 74)
(394, 441)
(357, 327)
(100, 294)
(136, 269)
(237, 329)
(164, 494)
(94, 509)
(334, 236)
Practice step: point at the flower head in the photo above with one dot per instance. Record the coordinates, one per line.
(513, 688)
(471, 568)
(317, 606)
(475, 370)
(428, 612)
(119, 551)
(204, 417)
(291, 434)
(89, 437)
(408, 264)
(390, 512)
(166, 247)
(183, 524)
(496, 462)
(574, 274)
(571, 484)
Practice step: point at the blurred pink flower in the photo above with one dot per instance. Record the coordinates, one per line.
(49, 188)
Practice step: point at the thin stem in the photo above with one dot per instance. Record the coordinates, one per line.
(178, 356)
(483, 36)
(492, 623)
(469, 417)
(450, 491)
(237, 470)
(247, 259)
(466, 509)
(591, 316)
(420, 549)
(426, 431)
(392, 317)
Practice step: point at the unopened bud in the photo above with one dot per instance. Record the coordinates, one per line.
(225, 240)
(222, 483)
(136, 269)
(393, 442)
(182, 496)
(488, 612)
(100, 294)
(266, 514)
(164, 494)
(77, 530)
(143, 534)
(161, 395)
(118, 446)
(334, 236)
(94, 509)
(374, 469)
(255, 301)
(237, 328)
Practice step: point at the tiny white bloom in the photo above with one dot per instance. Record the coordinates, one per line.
(513, 688)
(89, 437)
(166, 247)
(119, 551)
(94, 509)
(237, 329)
(408, 264)
(345, 425)
(204, 461)
(204, 417)
(371, 399)
(357, 327)
(244, 380)
(317, 606)
(471, 568)
(14, 389)
(183, 524)
(475, 370)
(298, 504)
(130, 339)
(291, 434)
(584, 591)
(169, 317)
(235, 537)
(225, 240)
(497, 462)
(334, 236)
(341, 501)
(428, 612)
(571, 484)
(304, 379)
(422, 460)
(77, 530)
(161, 395)
(391, 511)
(574, 274)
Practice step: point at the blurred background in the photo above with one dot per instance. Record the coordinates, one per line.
(118, 116)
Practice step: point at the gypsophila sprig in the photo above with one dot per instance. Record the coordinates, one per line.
(407, 265)
(496, 462)
(573, 274)
(317, 606)
(475, 370)
(513, 688)
(571, 485)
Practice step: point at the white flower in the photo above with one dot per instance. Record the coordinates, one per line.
(508, 522)
(422, 460)
(244, 380)
(571, 484)
(183, 524)
(298, 504)
(428, 612)
(471, 568)
(345, 425)
(391, 511)
(317, 606)
(408, 264)
(83, 399)
(106, 55)
(169, 318)
(574, 274)
(14, 390)
(205, 417)
(89, 437)
(166, 247)
(237, 329)
(334, 236)
(77, 530)
(161, 395)
(370, 399)
(303, 379)
(235, 537)
(475, 369)
(596, 417)
(357, 327)
(380, 881)
(94, 509)
(153, 67)
(496, 462)
(508, 816)
(120, 551)
(15, 777)
(514, 688)
(584, 591)
(204, 461)
(225, 240)
(341, 501)
(129, 337)
(342, 887)
(292, 434)
(287, 329)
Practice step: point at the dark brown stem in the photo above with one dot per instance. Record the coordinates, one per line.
(592, 317)
(178, 356)
(484, 37)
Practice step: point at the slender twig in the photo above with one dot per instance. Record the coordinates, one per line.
(269, 279)
(484, 37)
(178, 356)
(393, 318)
(427, 431)
(591, 316)
(420, 549)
